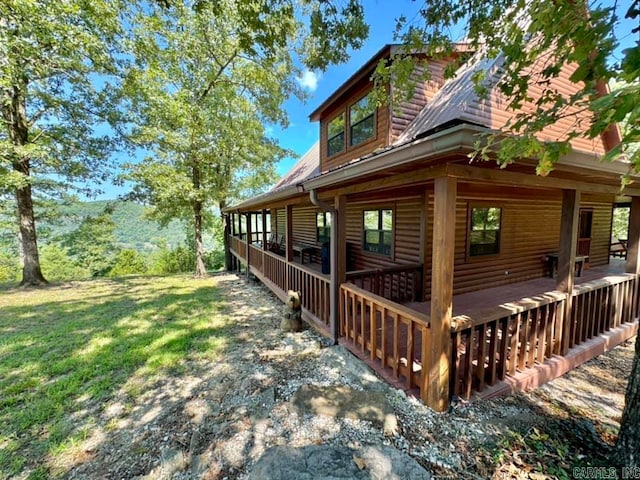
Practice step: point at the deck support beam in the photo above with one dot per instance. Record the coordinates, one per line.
(437, 364)
(633, 241)
(567, 258)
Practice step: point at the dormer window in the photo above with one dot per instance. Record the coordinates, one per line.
(362, 125)
(335, 135)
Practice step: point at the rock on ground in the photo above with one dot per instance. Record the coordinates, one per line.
(324, 462)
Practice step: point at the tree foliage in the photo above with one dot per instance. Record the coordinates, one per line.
(52, 103)
(206, 80)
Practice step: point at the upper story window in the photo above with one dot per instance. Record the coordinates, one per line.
(323, 226)
(378, 231)
(484, 231)
(335, 135)
(362, 125)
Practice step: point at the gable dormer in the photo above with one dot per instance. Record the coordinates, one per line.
(351, 126)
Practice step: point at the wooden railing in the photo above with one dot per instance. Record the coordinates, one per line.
(239, 246)
(315, 291)
(497, 342)
(518, 335)
(601, 305)
(391, 334)
(314, 288)
(401, 283)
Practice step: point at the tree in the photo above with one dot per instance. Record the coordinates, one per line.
(206, 80)
(52, 104)
(92, 244)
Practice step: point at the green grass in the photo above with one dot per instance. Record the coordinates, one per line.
(66, 349)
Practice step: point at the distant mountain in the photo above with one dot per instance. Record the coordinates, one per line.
(133, 230)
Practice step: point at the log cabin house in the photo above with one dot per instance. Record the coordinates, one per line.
(449, 276)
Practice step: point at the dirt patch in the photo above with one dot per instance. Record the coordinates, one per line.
(214, 420)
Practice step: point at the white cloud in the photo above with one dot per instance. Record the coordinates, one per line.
(308, 80)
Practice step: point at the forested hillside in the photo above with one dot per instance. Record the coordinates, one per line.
(132, 229)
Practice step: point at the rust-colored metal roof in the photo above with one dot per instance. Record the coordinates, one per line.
(458, 101)
(307, 167)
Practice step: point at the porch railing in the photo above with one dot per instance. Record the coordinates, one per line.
(239, 246)
(518, 335)
(601, 305)
(388, 333)
(401, 283)
(314, 287)
(512, 337)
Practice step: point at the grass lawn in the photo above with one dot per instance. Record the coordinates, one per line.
(66, 348)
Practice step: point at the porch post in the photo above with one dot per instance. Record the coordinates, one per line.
(567, 258)
(264, 229)
(226, 221)
(633, 241)
(248, 241)
(437, 363)
(289, 242)
(338, 256)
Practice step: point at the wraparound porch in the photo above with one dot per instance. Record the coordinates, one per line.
(497, 334)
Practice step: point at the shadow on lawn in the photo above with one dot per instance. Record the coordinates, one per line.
(66, 349)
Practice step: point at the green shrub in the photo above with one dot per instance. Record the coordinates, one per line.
(9, 268)
(128, 262)
(57, 264)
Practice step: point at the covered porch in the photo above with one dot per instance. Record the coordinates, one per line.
(434, 316)
(500, 337)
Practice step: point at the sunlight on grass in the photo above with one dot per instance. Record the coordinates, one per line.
(65, 350)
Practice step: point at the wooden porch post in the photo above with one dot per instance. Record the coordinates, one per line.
(437, 363)
(567, 258)
(338, 254)
(289, 242)
(248, 241)
(633, 242)
(264, 229)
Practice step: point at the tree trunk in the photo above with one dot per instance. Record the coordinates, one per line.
(15, 116)
(201, 269)
(627, 453)
(228, 261)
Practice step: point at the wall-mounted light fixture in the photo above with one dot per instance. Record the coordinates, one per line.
(300, 187)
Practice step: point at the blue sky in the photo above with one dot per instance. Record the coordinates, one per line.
(381, 16)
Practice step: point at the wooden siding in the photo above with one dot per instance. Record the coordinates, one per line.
(406, 234)
(601, 227)
(304, 225)
(530, 229)
(423, 92)
(281, 222)
(381, 138)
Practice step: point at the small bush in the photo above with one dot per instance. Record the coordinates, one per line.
(57, 264)
(128, 262)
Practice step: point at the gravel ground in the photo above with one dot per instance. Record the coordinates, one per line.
(217, 419)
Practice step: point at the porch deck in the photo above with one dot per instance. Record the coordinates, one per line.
(502, 338)
(480, 300)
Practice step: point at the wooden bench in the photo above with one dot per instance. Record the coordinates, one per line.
(552, 264)
(618, 249)
(304, 248)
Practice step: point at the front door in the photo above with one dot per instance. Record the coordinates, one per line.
(584, 232)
